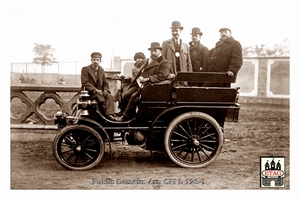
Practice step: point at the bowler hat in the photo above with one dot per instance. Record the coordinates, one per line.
(155, 45)
(176, 24)
(139, 55)
(196, 30)
(224, 28)
(96, 55)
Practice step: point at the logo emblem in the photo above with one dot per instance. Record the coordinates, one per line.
(272, 171)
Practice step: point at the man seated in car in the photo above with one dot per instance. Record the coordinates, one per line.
(154, 70)
(94, 80)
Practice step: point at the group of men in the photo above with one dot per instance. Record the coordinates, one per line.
(172, 56)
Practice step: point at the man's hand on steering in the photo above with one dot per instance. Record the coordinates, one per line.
(99, 92)
(144, 80)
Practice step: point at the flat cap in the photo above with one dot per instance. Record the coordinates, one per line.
(96, 55)
(224, 28)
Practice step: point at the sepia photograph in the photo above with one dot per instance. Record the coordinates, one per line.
(173, 96)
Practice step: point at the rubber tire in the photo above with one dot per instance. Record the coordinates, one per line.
(174, 124)
(58, 138)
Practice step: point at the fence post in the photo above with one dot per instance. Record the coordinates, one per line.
(26, 72)
(75, 73)
(58, 72)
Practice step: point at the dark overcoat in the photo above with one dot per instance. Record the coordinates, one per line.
(156, 71)
(226, 56)
(199, 57)
(90, 81)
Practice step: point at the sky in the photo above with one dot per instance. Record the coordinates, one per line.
(121, 28)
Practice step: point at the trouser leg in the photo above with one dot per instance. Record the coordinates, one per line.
(127, 96)
(109, 105)
(131, 106)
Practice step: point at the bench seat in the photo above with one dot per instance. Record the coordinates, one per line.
(157, 92)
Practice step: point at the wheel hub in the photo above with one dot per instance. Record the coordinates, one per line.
(195, 142)
(78, 148)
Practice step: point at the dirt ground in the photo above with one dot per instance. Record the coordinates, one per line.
(262, 130)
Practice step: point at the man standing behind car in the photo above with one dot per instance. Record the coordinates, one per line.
(226, 57)
(199, 54)
(93, 79)
(176, 51)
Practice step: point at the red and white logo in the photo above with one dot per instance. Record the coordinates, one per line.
(272, 173)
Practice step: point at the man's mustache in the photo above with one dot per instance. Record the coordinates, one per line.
(154, 57)
(95, 64)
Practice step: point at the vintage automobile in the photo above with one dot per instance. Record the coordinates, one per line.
(187, 122)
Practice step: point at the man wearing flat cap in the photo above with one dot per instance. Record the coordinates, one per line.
(199, 54)
(176, 51)
(154, 70)
(226, 56)
(93, 79)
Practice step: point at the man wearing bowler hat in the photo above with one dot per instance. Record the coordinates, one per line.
(154, 70)
(199, 53)
(93, 79)
(176, 51)
(226, 57)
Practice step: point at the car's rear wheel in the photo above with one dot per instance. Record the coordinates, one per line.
(193, 140)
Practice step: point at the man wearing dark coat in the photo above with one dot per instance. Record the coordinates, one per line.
(139, 59)
(154, 70)
(226, 56)
(93, 79)
(199, 53)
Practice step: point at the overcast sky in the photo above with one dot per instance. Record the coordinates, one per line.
(123, 27)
